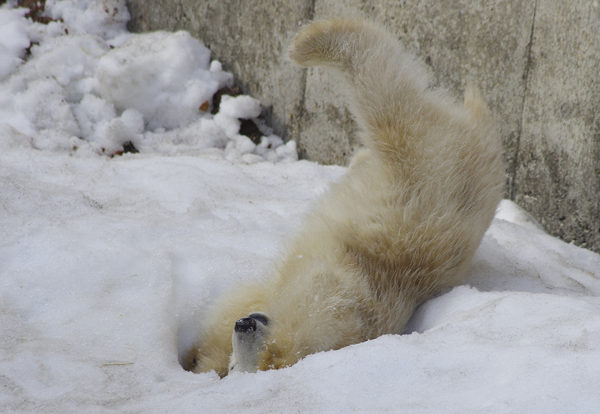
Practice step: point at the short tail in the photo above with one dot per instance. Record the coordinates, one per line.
(475, 103)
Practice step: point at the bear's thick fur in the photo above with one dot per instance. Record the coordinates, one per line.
(402, 224)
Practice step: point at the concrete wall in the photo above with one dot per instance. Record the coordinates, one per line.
(536, 61)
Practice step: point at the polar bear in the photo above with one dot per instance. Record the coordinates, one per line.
(399, 227)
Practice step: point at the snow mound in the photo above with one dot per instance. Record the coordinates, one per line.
(164, 76)
(82, 84)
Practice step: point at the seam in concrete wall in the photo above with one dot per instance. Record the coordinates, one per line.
(512, 175)
(311, 10)
(310, 15)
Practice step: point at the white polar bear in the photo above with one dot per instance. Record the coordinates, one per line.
(402, 224)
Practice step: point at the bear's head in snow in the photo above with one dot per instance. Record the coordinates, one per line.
(248, 341)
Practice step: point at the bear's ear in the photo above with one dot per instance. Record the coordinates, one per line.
(189, 362)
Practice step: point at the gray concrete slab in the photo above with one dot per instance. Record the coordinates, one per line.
(558, 174)
(537, 63)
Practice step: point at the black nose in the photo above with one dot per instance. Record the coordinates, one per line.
(245, 325)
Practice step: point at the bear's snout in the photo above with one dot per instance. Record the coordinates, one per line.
(245, 325)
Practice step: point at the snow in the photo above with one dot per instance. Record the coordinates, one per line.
(89, 87)
(107, 265)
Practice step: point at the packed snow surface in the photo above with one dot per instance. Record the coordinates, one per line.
(107, 265)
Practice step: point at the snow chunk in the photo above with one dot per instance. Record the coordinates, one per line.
(164, 76)
(13, 31)
(104, 18)
(241, 107)
(13, 39)
(45, 105)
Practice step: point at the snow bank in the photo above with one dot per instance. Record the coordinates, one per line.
(84, 85)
